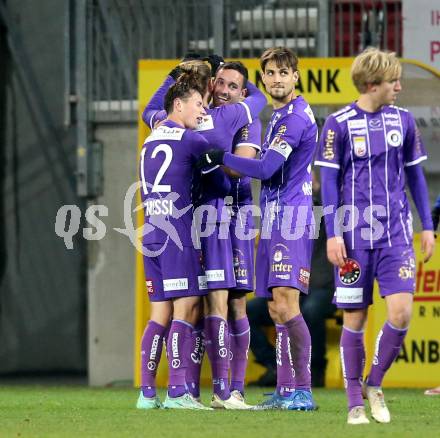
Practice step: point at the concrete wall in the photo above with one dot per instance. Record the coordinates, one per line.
(111, 267)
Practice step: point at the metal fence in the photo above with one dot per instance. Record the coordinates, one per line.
(119, 32)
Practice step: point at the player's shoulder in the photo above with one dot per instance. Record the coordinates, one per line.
(344, 114)
(165, 132)
(396, 108)
(300, 110)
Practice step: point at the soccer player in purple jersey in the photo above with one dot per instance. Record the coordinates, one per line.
(368, 150)
(219, 127)
(172, 265)
(284, 252)
(230, 87)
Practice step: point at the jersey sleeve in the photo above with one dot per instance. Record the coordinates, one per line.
(329, 149)
(414, 151)
(288, 133)
(154, 111)
(249, 135)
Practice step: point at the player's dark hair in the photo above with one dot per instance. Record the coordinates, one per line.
(282, 57)
(185, 86)
(237, 66)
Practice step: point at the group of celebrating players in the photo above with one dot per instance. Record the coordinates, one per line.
(200, 156)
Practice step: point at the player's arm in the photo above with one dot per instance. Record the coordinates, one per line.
(435, 213)
(215, 177)
(246, 144)
(328, 158)
(413, 154)
(154, 111)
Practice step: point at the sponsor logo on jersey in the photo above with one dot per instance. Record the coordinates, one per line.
(175, 284)
(244, 135)
(239, 266)
(329, 153)
(350, 273)
(215, 275)
(375, 124)
(394, 138)
(307, 188)
(165, 133)
(349, 295)
(357, 124)
(392, 123)
(391, 116)
(406, 273)
(281, 265)
(149, 285)
(310, 114)
(205, 123)
(346, 116)
(203, 282)
(304, 276)
(281, 146)
(360, 146)
(278, 256)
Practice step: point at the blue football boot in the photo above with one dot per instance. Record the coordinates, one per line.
(302, 400)
(275, 401)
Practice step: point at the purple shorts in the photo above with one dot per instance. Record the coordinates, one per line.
(393, 268)
(174, 273)
(217, 260)
(282, 262)
(243, 251)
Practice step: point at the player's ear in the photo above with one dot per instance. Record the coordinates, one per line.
(211, 85)
(243, 93)
(296, 76)
(178, 105)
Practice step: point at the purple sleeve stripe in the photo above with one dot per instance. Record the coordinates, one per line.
(248, 112)
(413, 163)
(252, 145)
(325, 164)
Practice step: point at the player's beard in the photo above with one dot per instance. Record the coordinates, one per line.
(280, 94)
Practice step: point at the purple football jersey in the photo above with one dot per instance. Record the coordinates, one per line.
(249, 135)
(292, 131)
(166, 173)
(371, 151)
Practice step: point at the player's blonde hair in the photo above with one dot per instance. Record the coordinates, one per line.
(200, 69)
(374, 66)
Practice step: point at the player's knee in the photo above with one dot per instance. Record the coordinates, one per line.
(237, 309)
(400, 318)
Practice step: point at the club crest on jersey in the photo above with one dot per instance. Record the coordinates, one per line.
(278, 256)
(205, 123)
(375, 124)
(394, 138)
(350, 273)
(360, 146)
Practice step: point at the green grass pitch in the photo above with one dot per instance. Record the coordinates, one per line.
(38, 411)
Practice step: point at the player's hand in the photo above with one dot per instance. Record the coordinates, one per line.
(175, 73)
(428, 242)
(215, 61)
(211, 158)
(336, 252)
